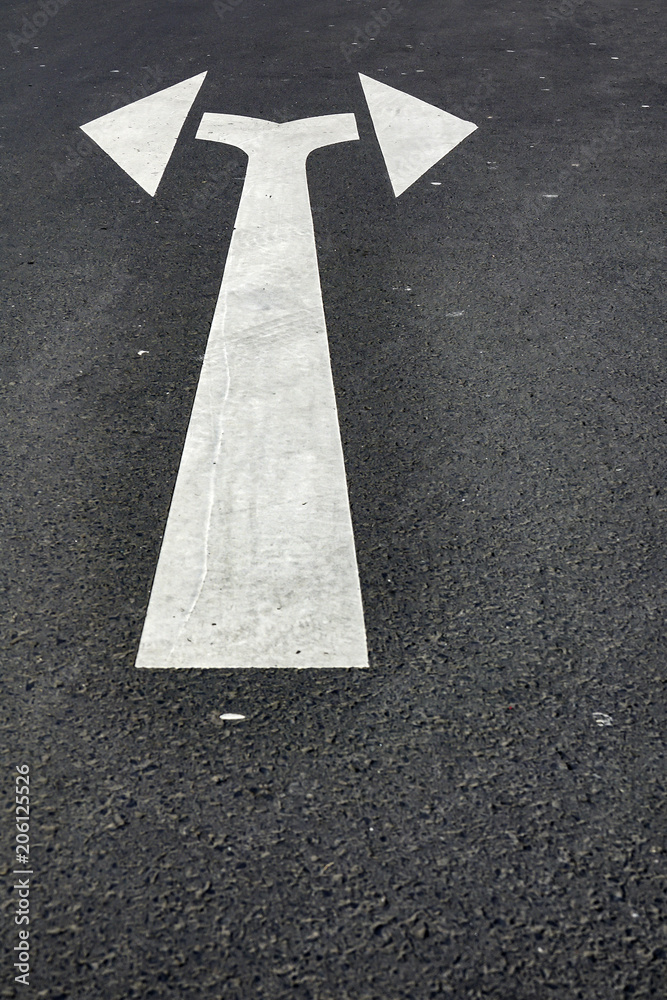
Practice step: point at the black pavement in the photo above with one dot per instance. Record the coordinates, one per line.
(481, 812)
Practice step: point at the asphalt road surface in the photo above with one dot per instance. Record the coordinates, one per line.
(480, 812)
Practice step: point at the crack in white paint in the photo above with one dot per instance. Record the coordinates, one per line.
(211, 492)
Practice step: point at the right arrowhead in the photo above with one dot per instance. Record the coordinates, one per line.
(413, 135)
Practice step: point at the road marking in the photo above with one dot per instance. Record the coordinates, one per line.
(257, 566)
(141, 136)
(231, 717)
(413, 135)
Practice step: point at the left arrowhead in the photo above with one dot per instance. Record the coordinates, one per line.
(413, 135)
(141, 136)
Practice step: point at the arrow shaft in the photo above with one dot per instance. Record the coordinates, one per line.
(257, 566)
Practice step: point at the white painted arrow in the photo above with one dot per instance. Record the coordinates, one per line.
(141, 136)
(413, 135)
(257, 566)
